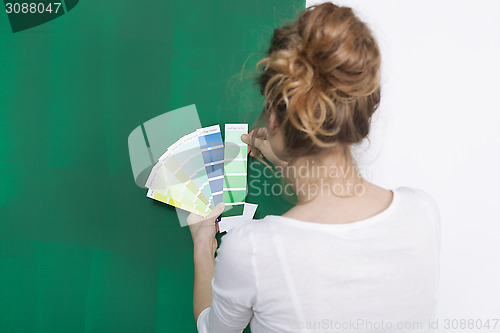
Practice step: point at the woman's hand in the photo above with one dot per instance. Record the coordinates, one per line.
(259, 146)
(203, 229)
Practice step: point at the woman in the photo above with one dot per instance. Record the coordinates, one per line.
(351, 256)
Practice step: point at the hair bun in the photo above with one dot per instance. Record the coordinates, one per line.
(340, 48)
(321, 79)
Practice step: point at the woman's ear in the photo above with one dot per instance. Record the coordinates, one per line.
(273, 122)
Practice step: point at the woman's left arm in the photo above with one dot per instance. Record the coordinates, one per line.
(203, 230)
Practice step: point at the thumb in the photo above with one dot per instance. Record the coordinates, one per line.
(252, 141)
(217, 210)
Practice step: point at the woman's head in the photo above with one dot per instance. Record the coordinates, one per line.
(320, 80)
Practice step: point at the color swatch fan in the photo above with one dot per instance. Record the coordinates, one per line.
(180, 177)
(190, 174)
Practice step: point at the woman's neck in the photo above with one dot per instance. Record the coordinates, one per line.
(330, 189)
(324, 175)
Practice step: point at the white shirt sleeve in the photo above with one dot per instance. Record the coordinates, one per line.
(234, 286)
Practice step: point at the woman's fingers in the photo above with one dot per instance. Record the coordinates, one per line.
(214, 214)
(259, 145)
(255, 141)
(262, 133)
(262, 144)
(244, 138)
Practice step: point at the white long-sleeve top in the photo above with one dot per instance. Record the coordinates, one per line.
(380, 274)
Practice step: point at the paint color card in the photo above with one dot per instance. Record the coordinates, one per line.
(179, 188)
(212, 149)
(168, 200)
(235, 169)
(170, 183)
(199, 171)
(189, 155)
(230, 222)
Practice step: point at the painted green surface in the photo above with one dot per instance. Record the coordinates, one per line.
(82, 249)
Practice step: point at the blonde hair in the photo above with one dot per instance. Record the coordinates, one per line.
(321, 78)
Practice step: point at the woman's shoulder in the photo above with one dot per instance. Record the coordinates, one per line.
(248, 231)
(243, 227)
(418, 198)
(243, 238)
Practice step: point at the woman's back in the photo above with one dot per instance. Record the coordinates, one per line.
(369, 262)
(366, 276)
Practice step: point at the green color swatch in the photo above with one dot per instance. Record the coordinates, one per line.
(235, 168)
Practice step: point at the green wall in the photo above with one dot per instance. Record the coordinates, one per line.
(81, 247)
